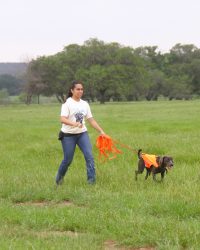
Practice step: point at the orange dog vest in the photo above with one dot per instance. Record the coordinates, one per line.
(149, 160)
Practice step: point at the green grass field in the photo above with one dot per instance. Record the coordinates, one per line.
(117, 212)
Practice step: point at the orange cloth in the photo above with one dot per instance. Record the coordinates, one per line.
(106, 147)
(149, 160)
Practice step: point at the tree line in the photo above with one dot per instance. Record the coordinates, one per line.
(111, 71)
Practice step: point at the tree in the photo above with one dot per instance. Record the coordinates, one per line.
(112, 71)
(194, 73)
(177, 87)
(34, 84)
(154, 84)
(11, 83)
(182, 53)
(4, 96)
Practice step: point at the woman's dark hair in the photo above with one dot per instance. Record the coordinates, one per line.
(73, 86)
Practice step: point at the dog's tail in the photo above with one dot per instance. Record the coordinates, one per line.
(139, 153)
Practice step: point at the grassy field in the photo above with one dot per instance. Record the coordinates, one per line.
(117, 212)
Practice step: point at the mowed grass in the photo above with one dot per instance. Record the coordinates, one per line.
(117, 212)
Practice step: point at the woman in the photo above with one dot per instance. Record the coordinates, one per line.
(74, 132)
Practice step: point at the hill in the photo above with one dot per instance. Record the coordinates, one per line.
(14, 69)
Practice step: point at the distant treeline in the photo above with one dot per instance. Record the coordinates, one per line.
(14, 69)
(111, 71)
(12, 78)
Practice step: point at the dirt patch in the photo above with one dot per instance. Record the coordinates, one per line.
(45, 203)
(110, 244)
(47, 234)
(144, 248)
(65, 203)
(113, 245)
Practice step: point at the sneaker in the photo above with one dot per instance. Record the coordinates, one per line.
(59, 179)
(91, 181)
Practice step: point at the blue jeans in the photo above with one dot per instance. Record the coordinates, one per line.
(69, 145)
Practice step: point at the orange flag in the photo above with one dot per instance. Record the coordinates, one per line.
(106, 147)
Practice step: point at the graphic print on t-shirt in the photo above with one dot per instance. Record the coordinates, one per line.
(79, 116)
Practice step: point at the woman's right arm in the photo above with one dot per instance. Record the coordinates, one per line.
(66, 121)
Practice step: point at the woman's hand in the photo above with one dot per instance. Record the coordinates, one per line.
(102, 132)
(78, 124)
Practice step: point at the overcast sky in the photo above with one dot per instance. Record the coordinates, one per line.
(32, 28)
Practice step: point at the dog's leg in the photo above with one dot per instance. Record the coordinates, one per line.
(140, 169)
(148, 172)
(162, 175)
(136, 173)
(154, 174)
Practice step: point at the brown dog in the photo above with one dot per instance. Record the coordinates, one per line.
(153, 164)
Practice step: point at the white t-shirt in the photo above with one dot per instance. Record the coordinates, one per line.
(75, 111)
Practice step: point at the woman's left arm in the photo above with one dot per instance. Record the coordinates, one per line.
(95, 125)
